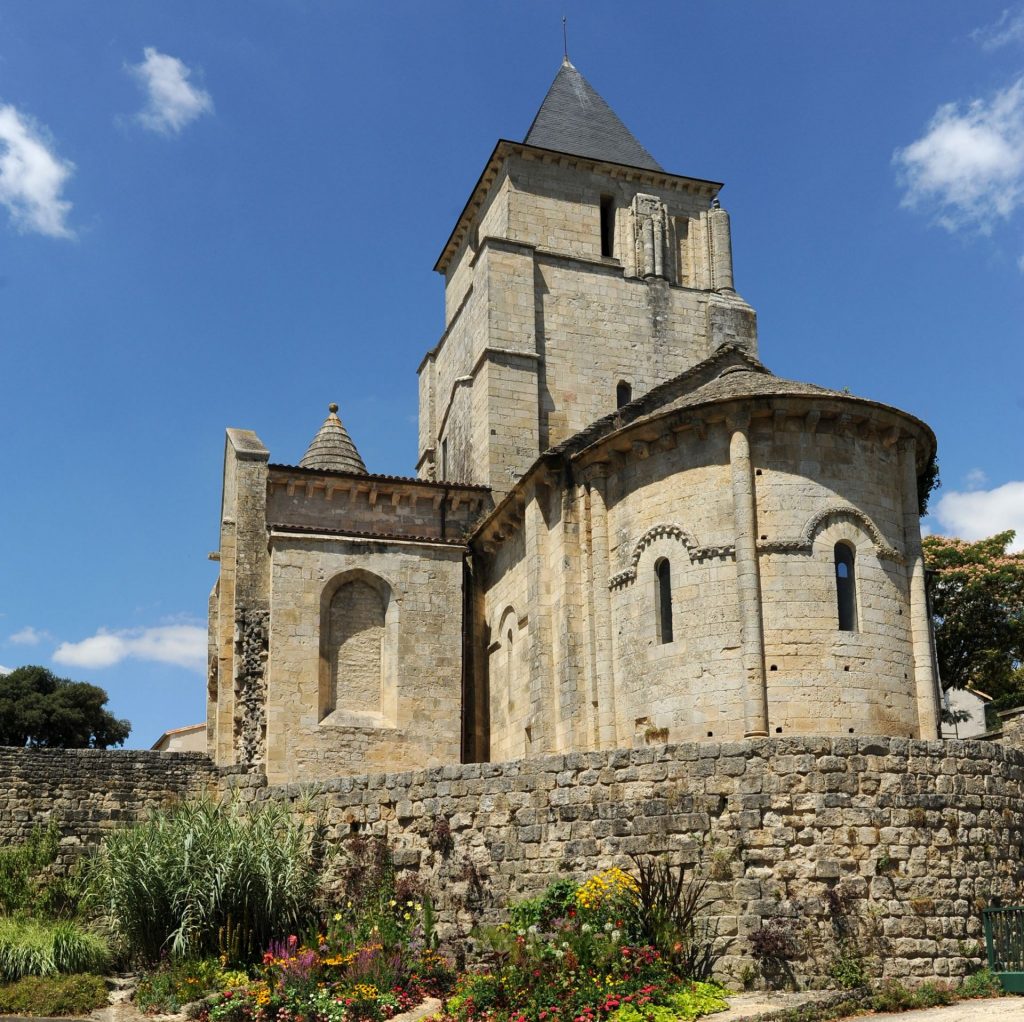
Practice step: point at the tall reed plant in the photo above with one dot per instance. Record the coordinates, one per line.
(206, 878)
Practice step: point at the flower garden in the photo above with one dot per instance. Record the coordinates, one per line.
(252, 915)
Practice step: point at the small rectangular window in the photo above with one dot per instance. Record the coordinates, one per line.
(444, 458)
(607, 226)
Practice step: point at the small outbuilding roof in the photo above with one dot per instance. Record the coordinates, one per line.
(332, 448)
(574, 119)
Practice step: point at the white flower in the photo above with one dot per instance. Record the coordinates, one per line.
(533, 929)
(586, 928)
(615, 936)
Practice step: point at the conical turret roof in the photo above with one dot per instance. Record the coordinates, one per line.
(574, 119)
(332, 448)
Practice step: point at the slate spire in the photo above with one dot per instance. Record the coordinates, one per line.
(574, 119)
(332, 448)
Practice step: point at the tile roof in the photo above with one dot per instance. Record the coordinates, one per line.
(318, 530)
(574, 119)
(332, 447)
(382, 477)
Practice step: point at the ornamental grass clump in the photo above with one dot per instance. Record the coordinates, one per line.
(206, 879)
(30, 947)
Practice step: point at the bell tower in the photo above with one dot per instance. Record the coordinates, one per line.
(579, 274)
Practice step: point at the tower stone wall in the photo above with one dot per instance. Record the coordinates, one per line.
(542, 328)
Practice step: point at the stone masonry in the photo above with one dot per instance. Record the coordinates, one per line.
(901, 842)
(90, 792)
(624, 526)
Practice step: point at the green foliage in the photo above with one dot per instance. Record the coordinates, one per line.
(41, 710)
(848, 967)
(556, 902)
(21, 864)
(32, 948)
(188, 877)
(927, 483)
(894, 996)
(174, 984)
(693, 1001)
(669, 916)
(980, 984)
(977, 593)
(53, 995)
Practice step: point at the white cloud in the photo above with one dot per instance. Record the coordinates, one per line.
(28, 636)
(32, 176)
(968, 167)
(982, 513)
(1008, 28)
(976, 478)
(184, 645)
(172, 101)
(5, 670)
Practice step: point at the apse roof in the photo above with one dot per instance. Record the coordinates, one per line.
(574, 119)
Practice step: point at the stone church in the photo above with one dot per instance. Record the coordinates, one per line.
(623, 529)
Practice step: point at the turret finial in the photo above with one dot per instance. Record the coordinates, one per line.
(332, 408)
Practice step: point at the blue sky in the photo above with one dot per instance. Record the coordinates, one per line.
(226, 214)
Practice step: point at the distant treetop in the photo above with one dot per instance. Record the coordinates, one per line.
(39, 709)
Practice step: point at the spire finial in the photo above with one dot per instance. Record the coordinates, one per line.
(565, 41)
(332, 408)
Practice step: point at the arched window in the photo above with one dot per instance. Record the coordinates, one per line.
(846, 587)
(623, 394)
(663, 574)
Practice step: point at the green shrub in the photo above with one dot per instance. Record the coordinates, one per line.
(29, 947)
(848, 967)
(894, 996)
(980, 984)
(53, 995)
(20, 866)
(204, 879)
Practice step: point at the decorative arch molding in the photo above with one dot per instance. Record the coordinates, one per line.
(670, 530)
(507, 617)
(805, 542)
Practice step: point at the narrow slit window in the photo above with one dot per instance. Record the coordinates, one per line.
(607, 226)
(846, 587)
(444, 458)
(623, 394)
(663, 573)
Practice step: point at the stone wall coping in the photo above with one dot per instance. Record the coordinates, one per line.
(765, 749)
(142, 754)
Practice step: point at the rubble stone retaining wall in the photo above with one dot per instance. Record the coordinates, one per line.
(890, 845)
(91, 791)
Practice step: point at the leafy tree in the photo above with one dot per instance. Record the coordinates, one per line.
(977, 592)
(41, 710)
